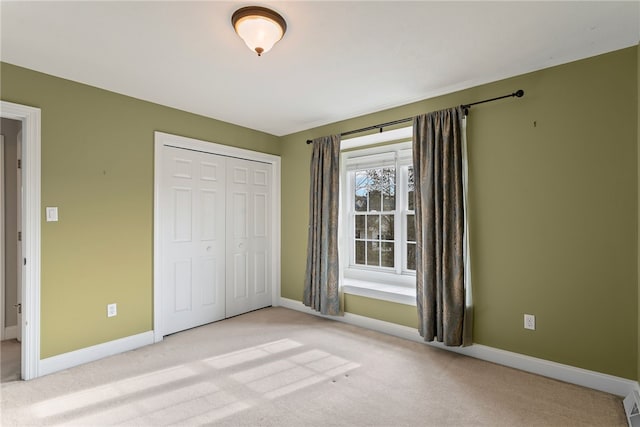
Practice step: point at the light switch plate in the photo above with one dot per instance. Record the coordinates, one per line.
(52, 214)
(112, 310)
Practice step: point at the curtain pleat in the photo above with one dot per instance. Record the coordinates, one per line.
(321, 286)
(439, 167)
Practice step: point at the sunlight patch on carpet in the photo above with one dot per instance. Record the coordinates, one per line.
(202, 391)
(251, 353)
(282, 377)
(116, 390)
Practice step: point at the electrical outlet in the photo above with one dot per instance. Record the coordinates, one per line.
(112, 310)
(530, 322)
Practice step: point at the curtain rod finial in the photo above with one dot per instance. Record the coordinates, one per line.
(519, 93)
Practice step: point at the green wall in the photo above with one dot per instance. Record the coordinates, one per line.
(553, 212)
(97, 168)
(381, 310)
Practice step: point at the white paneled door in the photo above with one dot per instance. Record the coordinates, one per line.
(248, 219)
(215, 237)
(193, 244)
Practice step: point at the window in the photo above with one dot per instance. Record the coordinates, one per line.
(378, 231)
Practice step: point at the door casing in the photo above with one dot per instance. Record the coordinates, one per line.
(162, 139)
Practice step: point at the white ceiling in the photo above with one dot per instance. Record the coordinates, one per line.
(337, 60)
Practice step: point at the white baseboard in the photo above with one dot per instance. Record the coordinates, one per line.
(89, 354)
(570, 374)
(11, 332)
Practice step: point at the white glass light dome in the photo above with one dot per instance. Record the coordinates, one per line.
(259, 27)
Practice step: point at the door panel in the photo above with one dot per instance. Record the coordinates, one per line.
(260, 215)
(182, 202)
(182, 285)
(260, 272)
(248, 211)
(193, 247)
(210, 200)
(207, 272)
(238, 210)
(239, 277)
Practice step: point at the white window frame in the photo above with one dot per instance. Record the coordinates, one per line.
(397, 284)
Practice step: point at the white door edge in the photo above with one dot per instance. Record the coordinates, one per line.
(160, 140)
(31, 175)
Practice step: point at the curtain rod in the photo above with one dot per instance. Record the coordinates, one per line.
(519, 94)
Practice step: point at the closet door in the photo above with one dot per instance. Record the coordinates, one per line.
(193, 239)
(248, 236)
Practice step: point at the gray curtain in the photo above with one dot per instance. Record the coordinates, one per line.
(439, 169)
(321, 291)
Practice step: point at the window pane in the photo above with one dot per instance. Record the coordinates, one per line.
(388, 202)
(374, 200)
(411, 228)
(411, 256)
(359, 228)
(361, 189)
(386, 227)
(410, 188)
(373, 227)
(373, 253)
(360, 252)
(387, 254)
(377, 187)
(388, 188)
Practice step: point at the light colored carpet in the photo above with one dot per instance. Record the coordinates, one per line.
(277, 367)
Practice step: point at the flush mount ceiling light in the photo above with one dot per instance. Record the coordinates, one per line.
(259, 27)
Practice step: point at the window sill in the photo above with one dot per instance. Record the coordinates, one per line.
(381, 291)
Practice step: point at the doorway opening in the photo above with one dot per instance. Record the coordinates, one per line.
(10, 248)
(28, 254)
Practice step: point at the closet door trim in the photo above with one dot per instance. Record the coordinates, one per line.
(162, 139)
